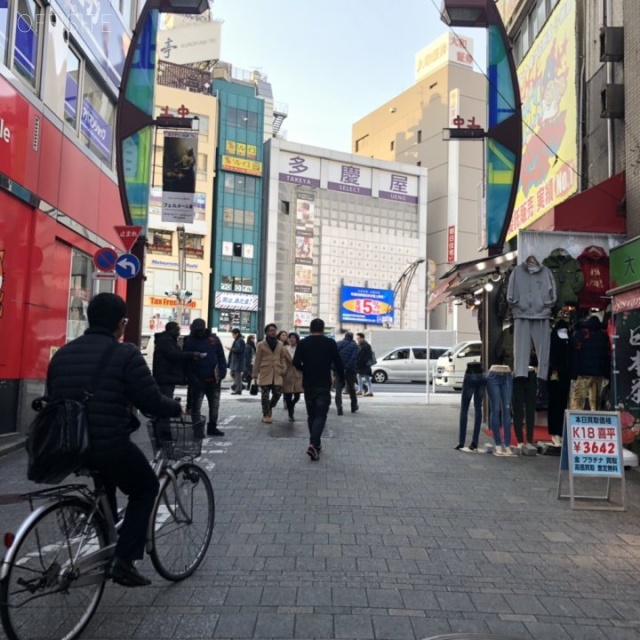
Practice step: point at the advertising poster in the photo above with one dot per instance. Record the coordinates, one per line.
(366, 306)
(179, 176)
(303, 274)
(547, 77)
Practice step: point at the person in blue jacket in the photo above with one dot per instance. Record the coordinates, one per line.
(206, 374)
(348, 350)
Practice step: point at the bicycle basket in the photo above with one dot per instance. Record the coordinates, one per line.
(177, 438)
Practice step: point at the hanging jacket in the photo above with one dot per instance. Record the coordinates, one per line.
(531, 292)
(560, 353)
(590, 352)
(594, 262)
(568, 276)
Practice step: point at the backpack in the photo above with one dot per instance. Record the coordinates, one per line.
(372, 360)
(58, 438)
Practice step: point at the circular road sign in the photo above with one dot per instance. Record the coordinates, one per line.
(127, 266)
(105, 259)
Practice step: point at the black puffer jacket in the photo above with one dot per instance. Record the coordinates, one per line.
(126, 380)
(364, 356)
(169, 360)
(590, 351)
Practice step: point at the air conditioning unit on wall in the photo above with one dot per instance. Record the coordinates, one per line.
(612, 101)
(611, 44)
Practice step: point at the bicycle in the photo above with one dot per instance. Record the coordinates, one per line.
(54, 572)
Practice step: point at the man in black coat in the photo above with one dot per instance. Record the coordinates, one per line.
(125, 380)
(169, 360)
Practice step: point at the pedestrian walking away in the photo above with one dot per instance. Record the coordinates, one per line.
(268, 370)
(169, 361)
(292, 384)
(206, 374)
(348, 350)
(236, 361)
(363, 366)
(125, 381)
(315, 357)
(249, 358)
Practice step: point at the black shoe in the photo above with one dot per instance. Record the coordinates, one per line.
(291, 417)
(354, 409)
(214, 432)
(473, 447)
(340, 412)
(123, 572)
(459, 446)
(312, 452)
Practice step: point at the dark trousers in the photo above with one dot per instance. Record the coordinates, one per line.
(236, 376)
(350, 384)
(212, 391)
(167, 390)
(270, 394)
(318, 401)
(127, 469)
(473, 386)
(524, 405)
(290, 400)
(558, 400)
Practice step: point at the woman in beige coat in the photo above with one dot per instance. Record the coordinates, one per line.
(292, 385)
(268, 369)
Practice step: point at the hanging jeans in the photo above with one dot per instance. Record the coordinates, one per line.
(499, 389)
(473, 386)
(524, 331)
(524, 405)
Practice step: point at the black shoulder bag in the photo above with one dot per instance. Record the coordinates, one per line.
(58, 438)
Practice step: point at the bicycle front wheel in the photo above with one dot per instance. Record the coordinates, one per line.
(47, 592)
(182, 522)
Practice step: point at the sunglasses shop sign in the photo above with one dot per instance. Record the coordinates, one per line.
(110, 265)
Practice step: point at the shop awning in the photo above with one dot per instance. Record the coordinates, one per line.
(464, 278)
(599, 209)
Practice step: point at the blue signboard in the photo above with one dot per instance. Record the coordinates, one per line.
(127, 266)
(97, 130)
(366, 306)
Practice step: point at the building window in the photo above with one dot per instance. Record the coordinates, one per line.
(163, 282)
(419, 136)
(392, 145)
(237, 249)
(242, 119)
(160, 241)
(27, 40)
(98, 118)
(80, 292)
(72, 88)
(240, 185)
(125, 11)
(238, 217)
(203, 126)
(236, 283)
(203, 162)
(194, 245)
(285, 207)
(419, 163)
(239, 319)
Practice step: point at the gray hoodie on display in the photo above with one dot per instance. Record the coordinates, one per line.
(531, 292)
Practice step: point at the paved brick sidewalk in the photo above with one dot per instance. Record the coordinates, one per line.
(391, 535)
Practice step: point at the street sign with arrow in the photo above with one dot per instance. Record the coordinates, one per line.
(127, 266)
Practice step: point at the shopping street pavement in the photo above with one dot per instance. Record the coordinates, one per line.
(391, 535)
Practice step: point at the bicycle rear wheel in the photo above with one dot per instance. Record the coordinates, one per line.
(182, 522)
(42, 594)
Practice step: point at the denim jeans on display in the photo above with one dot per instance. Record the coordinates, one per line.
(499, 389)
(473, 386)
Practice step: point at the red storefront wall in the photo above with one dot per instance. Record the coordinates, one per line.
(35, 250)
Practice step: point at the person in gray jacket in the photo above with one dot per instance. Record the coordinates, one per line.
(531, 296)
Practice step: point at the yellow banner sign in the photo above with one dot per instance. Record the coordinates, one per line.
(547, 78)
(234, 148)
(241, 165)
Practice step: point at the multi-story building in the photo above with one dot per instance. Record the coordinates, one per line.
(335, 221)
(408, 128)
(60, 70)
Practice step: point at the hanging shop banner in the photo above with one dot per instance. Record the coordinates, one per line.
(395, 186)
(303, 274)
(235, 300)
(547, 78)
(366, 306)
(299, 169)
(628, 367)
(179, 176)
(349, 178)
(625, 264)
(242, 165)
(194, 43)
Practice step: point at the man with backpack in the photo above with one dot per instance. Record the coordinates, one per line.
(348, 350)
(124, 380)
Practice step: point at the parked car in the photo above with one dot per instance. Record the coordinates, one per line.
(452, 365)
(406, 364)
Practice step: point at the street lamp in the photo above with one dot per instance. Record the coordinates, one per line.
(402, 287)
(465, 13)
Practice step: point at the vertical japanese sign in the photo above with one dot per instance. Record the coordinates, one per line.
(179, 176)
(303, 282)
(451, 243)
(628, 367)
(547, 77)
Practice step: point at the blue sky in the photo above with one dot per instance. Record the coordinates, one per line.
(331, 61)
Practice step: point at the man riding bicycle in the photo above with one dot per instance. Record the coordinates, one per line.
(124, 382)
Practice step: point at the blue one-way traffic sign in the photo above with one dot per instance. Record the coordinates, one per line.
(127, 266)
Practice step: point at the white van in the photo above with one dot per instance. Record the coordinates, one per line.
(406, 364)
(452, 365)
